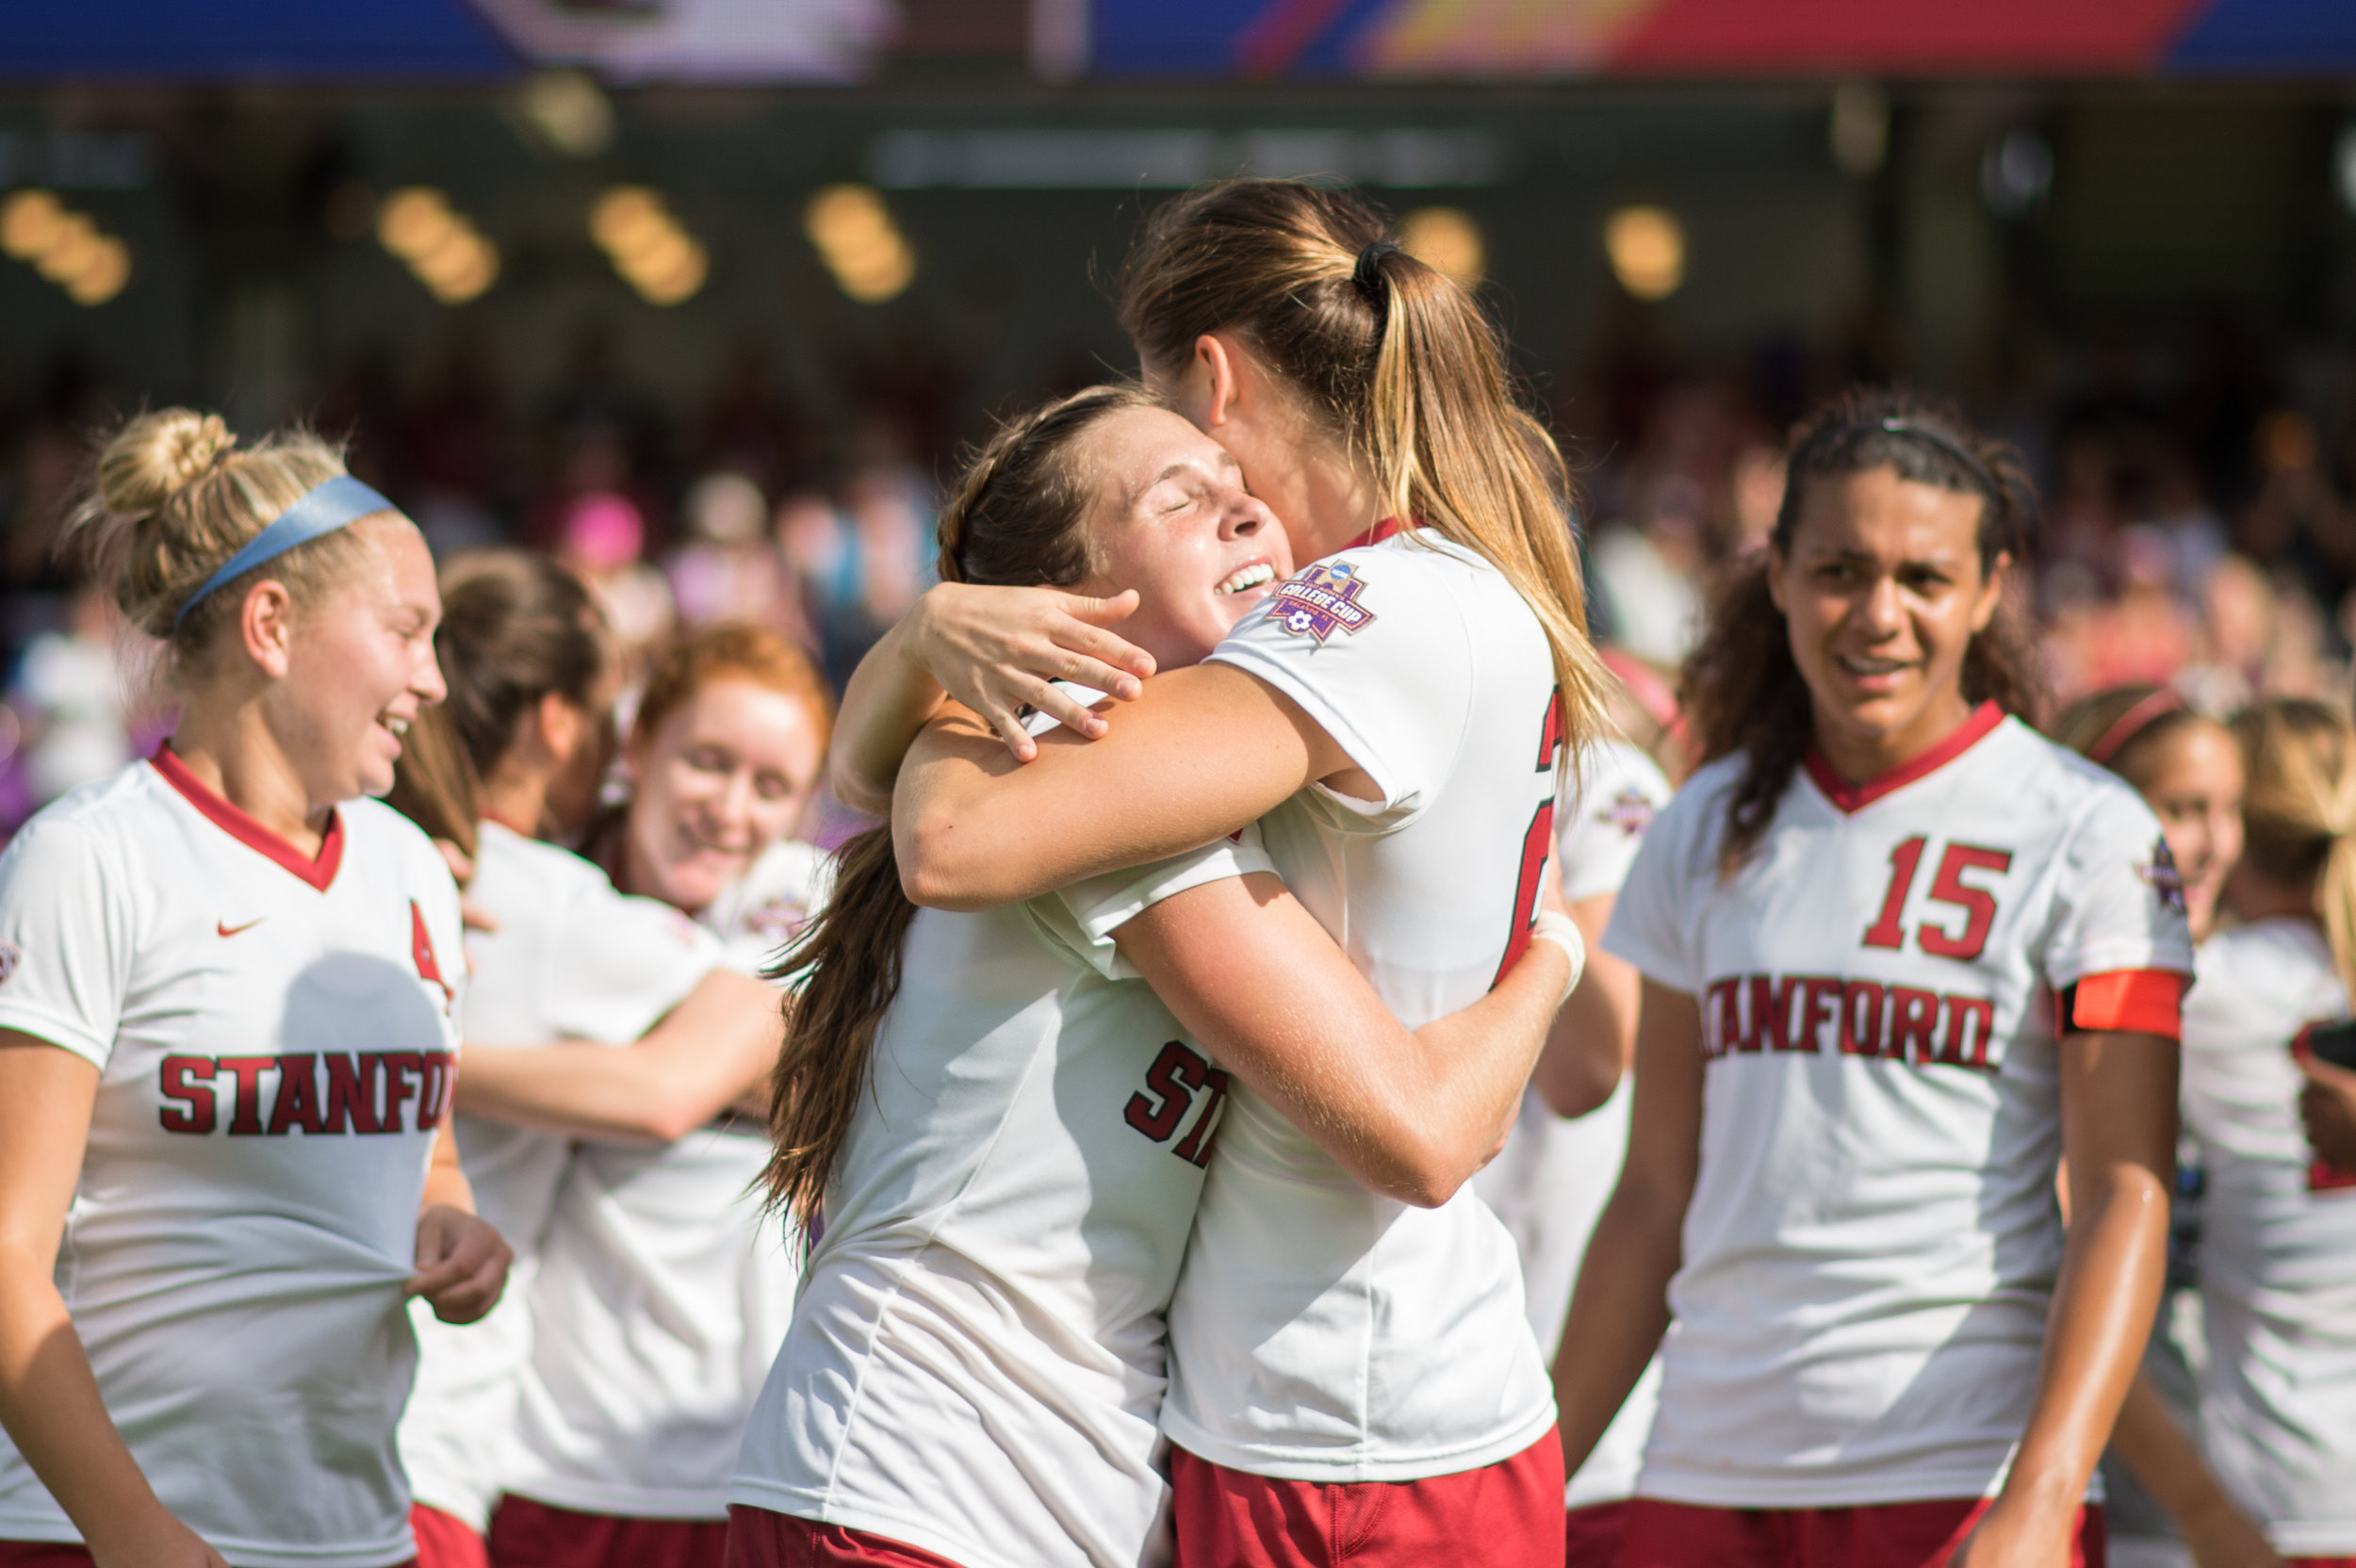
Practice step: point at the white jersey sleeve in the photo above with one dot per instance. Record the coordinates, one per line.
(1103, 905)
(68, 929)
(1654, 924)
(1616, 792)
(2119, 903)
(1388, 676)
(619, 963)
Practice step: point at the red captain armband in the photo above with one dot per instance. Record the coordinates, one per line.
(2125, 1000)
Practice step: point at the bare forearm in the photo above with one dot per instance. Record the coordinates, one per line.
(2102, 1312)
(587, 1092)
(885, 706)
(1619, 1311)
(1463, 1097)
(1203, 753)
(52, 1410)
(1593, 1038)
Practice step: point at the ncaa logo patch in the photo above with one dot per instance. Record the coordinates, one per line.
(1628, 812)
(10, 956)
(1321, 601)
(2167, 883)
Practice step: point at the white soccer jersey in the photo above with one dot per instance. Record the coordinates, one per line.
(275, 1038)
(1873, 1238)
(1555, 1175)
(662, 1294)
(1320, 1333)
(978, 1362)
(2277, 1244)
(571, 959)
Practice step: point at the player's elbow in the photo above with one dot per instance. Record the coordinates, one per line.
(1580, 1086)
(1422, 1172)
(936, 868)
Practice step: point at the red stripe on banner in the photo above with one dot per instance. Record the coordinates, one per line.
(1924, 37)
(2133, 1001)
(1279, 36)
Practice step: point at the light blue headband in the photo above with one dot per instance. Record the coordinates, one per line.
(338, 503)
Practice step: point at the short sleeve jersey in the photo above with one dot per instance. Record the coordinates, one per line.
(978, 1362)
(1321, 1332)
(571, 958)
(1550, 1183)
(275, 1036)
(663, 1292)
(2278, 1247)
(1873, 1238)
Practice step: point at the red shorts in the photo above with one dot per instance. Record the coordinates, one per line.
(760, 1538)
(446, 1540)
(1503, 1515)
(1886, 1535)
(529, 1534)
(1592, 1536)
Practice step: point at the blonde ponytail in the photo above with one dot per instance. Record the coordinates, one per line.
(1396, 363)
(2299, 810)
(175, 497)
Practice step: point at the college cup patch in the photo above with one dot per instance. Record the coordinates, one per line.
(1322, 600)
(2167, 883)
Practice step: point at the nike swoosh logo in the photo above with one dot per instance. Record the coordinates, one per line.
(233, 930)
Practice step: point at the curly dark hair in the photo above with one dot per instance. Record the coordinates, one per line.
(1741, 689)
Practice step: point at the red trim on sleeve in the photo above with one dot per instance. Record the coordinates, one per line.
(2133, 1001)
(319, 872)
(1850, 798)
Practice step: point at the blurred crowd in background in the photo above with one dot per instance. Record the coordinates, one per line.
(2199, 506)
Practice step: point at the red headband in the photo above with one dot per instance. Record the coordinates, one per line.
(2132, 723)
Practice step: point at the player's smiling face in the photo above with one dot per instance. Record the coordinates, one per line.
(725, 776)
(360, 666)
(1884, 591)
(1172, 520)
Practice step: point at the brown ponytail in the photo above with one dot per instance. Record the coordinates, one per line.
(2299, 810)
(1742, 691)
(1395, 361)
(1018, 516)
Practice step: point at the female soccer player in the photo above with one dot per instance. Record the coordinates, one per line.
(2188, 769)
(2278, 1254)
(1401, 707)
(1901, 956)
(1007, 1128)
(565, 957)
(660, 1296)
(227, 1029)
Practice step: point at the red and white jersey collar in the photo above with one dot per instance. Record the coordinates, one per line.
(1847, 797)
(320, 871)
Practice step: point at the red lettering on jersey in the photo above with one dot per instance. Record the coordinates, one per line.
(1888, 928)
(1197, 1144)
(297, 1096)
(1966, 1046)
(173, 1078)
(1978, 903)
(1557, 732)
(247, 1120)
(1774, 1023)
(1173, 1079)
(352, 1092)
(398, 1065)
(433, 1097)
(1822, 1005)
(421, 949)
(1913, 1019)
(1722, 1022)
(1861, 1018)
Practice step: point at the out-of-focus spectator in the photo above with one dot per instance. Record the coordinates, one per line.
(1648, 574)
(859, 566)
(727, 571)
(603, 540)
(2297, 523)
(73, 701)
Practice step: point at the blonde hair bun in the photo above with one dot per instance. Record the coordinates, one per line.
(158, 454)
